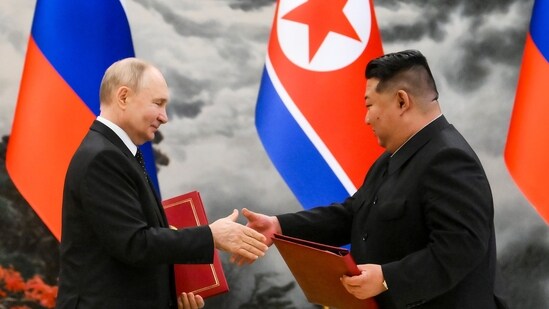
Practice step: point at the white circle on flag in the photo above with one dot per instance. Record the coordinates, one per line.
(337, 51)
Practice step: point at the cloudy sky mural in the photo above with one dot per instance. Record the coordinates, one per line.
(212, 54)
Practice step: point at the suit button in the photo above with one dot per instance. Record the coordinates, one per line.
(375, 201)
(364, 236)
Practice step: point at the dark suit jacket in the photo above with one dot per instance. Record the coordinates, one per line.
(426, 215)
(116, 251)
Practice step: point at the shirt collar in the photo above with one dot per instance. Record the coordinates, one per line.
(415, 134)
(120, 132)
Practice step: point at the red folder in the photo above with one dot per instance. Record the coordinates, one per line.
(317, 268)
(205, 280)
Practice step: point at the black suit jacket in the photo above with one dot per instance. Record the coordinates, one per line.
(116, 249)
(426, 215)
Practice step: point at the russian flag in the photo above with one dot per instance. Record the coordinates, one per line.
(527, 149)
(310, 110)
(71, 45)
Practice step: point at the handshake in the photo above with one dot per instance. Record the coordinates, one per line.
(250, 242)
(245, 243)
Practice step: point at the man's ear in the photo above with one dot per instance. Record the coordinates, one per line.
(121, 96)
(404, 100)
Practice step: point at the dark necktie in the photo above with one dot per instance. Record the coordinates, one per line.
(139, 158)
(160, 214)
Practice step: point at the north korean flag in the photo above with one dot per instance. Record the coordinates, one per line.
(310, 109)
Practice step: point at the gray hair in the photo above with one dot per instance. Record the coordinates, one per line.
(126, 72)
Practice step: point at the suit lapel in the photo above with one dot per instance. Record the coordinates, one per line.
(159, 210)
(113, 138)
(389, 165)
(415, 143)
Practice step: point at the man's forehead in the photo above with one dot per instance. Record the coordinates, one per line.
(371, 84)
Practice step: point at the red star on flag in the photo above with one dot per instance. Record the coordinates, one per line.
(322, 17)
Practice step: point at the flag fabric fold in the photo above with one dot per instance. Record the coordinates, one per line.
(526, 150)
(71, 44)
(310, 109)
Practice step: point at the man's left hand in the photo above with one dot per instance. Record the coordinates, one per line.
(368, 284)
(190, 301)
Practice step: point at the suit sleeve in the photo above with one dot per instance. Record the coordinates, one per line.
(458, 209)
(114, 208)
(329, 224)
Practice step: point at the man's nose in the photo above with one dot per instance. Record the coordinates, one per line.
(163, 116)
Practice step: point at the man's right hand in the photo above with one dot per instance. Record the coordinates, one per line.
(238, 239)
(266, 225)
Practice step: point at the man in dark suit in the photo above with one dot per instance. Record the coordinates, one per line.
(421, 226)
(116, 248)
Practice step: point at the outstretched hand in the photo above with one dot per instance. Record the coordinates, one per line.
(238, 239)
(266, 225)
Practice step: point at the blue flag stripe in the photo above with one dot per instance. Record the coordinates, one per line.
(539, 26)
(278, 129)
(81, 39)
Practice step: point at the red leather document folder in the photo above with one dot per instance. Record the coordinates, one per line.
(205, 280)
(317, 268)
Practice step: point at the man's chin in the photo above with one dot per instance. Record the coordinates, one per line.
(380, 142)
(148, 138)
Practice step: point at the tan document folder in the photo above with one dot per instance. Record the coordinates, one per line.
(317, 268)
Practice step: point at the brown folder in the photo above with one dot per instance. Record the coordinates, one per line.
(317, 268)
(205, 280)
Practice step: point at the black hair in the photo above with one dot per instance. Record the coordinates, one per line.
(388, 66)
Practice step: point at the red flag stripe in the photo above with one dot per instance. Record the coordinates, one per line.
(527, 150)
(47, 107)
